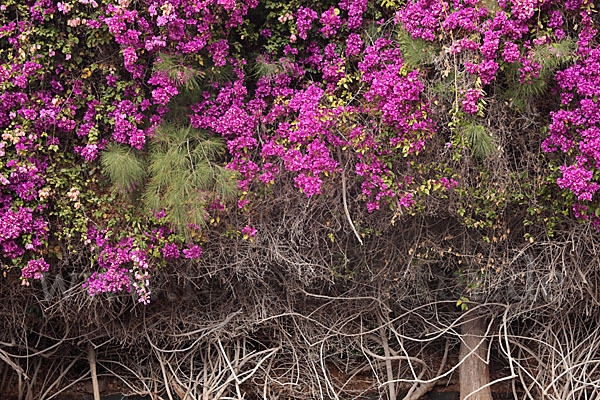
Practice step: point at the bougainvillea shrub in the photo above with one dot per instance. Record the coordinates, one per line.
(394, 97)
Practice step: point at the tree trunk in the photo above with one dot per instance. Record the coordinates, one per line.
(92, 361)
(474, 372)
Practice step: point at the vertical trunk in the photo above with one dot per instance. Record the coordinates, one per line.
(474, 372)
(388, 364)
(92, 360)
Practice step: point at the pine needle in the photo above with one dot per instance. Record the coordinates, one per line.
(177, 70)
(122, 166)
(415, 52)
(263, 68)
(482, 144)
(184, 178)
(549, 57)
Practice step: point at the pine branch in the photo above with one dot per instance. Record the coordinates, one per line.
(482, 144)
(549, 57)
(263, 68)
(184, 178)
(123, 167)
(415, 52)
(178, 71)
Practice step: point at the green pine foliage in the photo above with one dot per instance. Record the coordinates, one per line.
(184, 178)
(481, 143)
(518, 94)
(124, 168)
(180, 175)
(263, 68)
(191, 76)
(190, 79)
(415, 52)
(550, 57)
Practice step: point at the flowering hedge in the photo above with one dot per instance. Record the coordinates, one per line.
(293, 89)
